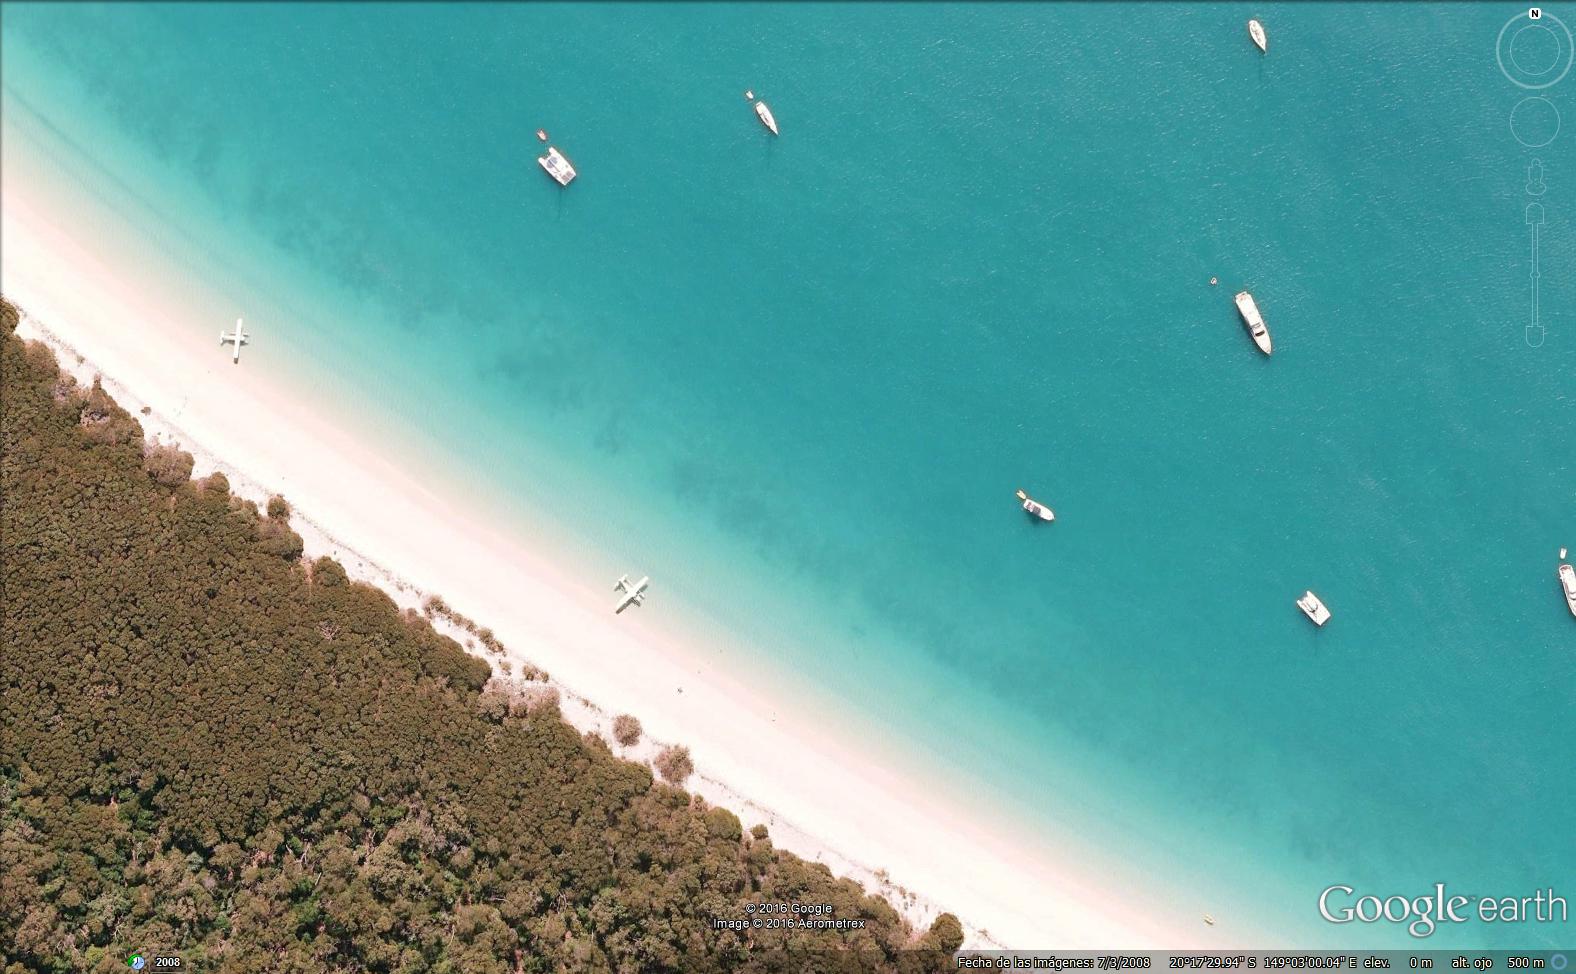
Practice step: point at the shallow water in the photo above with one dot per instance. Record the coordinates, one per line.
(797, 380)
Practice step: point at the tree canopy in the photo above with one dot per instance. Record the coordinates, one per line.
(210, 747)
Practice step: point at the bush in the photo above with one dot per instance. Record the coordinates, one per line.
(946, 933)
(723, 824)
(98, 407)
(277, 539)
(104, 421)
(328, 572)
(168, 465)
(538, 699)
(278, 508)
(761, 855)
(626, 730)
(674, 764)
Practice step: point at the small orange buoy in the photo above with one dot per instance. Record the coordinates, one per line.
(542, 134)
(1213, 282)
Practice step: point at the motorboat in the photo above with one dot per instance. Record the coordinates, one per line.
(557, 166)
(1035, 508)
(1568, 583)
(1260, 39)
(1313, 608)
(1254, 321)
(766, 117)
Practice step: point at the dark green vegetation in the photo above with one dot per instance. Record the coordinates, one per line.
(212, 748)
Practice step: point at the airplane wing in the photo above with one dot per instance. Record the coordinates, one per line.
(635, 592)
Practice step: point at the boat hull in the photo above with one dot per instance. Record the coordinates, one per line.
(558, 166)
(1313, 609)
(1034, 508)
(766, 117)
(1568, 586)
(1260, 39)
(1253, 321)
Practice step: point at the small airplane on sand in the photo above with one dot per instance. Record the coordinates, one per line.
(635, 593)
(238, 337)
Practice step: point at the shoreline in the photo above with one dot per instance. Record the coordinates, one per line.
(577, 710)
(822, 796)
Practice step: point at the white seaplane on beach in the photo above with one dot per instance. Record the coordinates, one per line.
(635, 594)
(238, 337)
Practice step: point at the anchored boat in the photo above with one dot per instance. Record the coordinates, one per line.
(1254, 321)
(557, 166)
(766, 117)
(1260, 39)
(1568, 583)
(1035, 508)
(1313, 608)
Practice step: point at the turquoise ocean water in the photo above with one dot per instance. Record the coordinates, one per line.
(798, 380)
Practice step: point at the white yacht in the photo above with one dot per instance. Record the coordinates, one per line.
(1568, 583)
(1260, 40)
(1313, 608)
(557, 166)
(766, 117)
(1035, 508)
(1255, 321)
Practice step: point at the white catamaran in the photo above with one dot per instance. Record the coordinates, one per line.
(1313, 608)
(557, 166)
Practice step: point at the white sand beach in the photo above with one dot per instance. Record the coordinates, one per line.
(823, 795)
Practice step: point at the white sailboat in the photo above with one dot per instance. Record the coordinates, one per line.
(766, 117)
(1260, 39)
